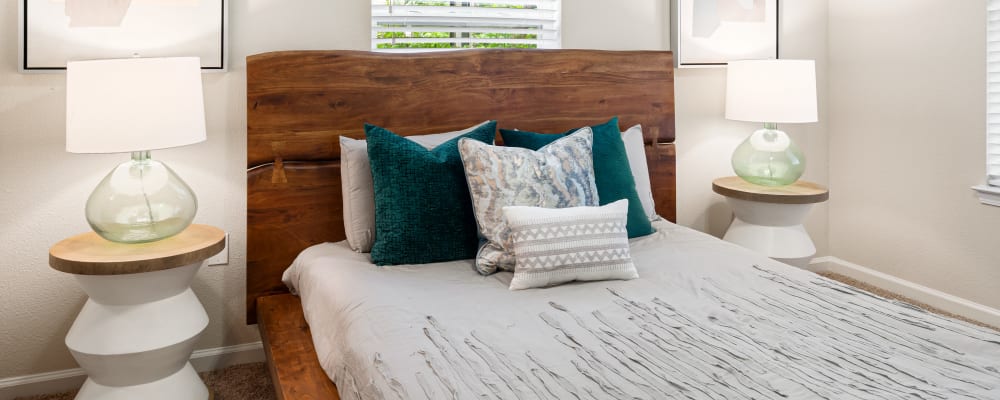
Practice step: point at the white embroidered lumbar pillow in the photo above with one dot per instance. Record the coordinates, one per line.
(554, 246)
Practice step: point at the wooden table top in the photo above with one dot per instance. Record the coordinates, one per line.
(90, 254)
(800, 192)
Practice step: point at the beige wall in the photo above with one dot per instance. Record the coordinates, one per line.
(43, 188)
(614, 25)
(907, 140)
(705, 140)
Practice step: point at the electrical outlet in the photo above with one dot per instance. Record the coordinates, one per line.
(223, 257)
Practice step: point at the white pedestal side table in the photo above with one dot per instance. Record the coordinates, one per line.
(135, 334)
(769, 219)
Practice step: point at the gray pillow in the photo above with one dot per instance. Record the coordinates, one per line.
(559, 175)
(636, 153)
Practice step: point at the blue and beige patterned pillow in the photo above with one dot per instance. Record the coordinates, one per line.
(612, 171)
(558, 175)
(554, 246)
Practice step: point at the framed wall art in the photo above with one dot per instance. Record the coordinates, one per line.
(53, 32)
(713, 32)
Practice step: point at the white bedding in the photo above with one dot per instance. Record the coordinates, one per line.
(705, 320)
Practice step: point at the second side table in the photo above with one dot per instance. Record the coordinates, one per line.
(769, 219)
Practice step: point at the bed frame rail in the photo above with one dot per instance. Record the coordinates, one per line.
(295, 371)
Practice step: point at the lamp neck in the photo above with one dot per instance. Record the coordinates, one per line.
(140, 156)
(767, 125)
(770, 139)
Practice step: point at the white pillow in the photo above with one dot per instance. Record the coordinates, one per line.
(558, 245)
(636, 154)
(358, 190)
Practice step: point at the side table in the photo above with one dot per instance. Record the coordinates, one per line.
(137, 330)
(769, 219)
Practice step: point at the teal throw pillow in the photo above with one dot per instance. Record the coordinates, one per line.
(611, 168)
(423, 212)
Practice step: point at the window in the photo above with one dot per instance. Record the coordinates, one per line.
(990, 193)
(993, 93)
(420, 25)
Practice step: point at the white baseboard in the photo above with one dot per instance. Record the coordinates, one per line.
(222, 357)
(69, 379)
(923, 294)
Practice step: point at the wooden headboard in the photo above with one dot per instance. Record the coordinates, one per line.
(299, 102)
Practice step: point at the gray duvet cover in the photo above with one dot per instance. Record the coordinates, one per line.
(705, 320)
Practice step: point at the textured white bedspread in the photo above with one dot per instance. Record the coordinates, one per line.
(705, 320)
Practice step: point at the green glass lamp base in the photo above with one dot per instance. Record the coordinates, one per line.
(768, 157)
(140, 201)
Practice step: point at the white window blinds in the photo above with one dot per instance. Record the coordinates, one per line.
(420, 25)
(993, 93)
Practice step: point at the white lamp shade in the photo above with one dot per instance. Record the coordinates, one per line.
(138, 104)
(778, 91)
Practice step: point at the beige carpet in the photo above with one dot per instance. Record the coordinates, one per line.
(890, 295)
(251, 382)
(238, 382)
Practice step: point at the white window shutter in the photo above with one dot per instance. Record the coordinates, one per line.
(420, 25)
(993, 93)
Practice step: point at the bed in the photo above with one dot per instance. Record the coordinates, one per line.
(706, 319)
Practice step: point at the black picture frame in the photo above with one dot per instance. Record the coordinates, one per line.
(216, 44)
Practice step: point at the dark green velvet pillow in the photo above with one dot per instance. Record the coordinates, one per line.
(611, 169)
(423, 212)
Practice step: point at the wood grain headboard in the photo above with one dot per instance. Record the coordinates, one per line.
(298, 102)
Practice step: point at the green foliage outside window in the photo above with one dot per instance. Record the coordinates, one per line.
(446, 35)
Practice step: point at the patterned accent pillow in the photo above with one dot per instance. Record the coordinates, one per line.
(612, 169)
(558, 175)
(554, 246)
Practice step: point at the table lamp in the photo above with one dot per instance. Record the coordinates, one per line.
(134, 106)
(772, 92)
